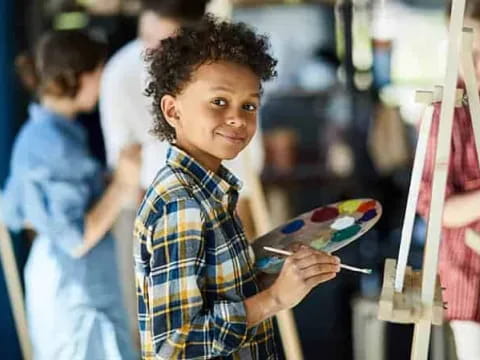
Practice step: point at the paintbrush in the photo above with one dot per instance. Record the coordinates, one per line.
(343, 266)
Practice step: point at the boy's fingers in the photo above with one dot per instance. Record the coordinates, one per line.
(316, 270)
(316, 280)
(295, 246)
(303, 252)
(316, 257)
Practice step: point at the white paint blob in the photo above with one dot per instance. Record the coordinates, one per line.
(343, 222)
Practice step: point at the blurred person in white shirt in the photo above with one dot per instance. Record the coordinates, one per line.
(124, 109)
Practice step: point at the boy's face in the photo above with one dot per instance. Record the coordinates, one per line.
(215, 116)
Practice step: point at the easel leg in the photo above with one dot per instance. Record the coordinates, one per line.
(442, 158)
(421, 337)
(285, 319)
(412, 200)
(421, 340)
(15, 293)
(288, 333)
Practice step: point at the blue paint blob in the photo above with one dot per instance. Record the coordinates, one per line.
(276, 260)
(263, 262)
(294, 226)
(276, 266)
(270, 264)
(369, 215)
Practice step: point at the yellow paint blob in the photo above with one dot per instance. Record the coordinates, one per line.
(349, 206)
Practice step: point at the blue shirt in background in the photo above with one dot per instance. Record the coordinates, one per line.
(74, 306)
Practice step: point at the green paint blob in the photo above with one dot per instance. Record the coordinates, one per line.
(346, 233)
(318, 244)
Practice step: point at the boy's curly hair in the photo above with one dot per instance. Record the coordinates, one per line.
(172, 63)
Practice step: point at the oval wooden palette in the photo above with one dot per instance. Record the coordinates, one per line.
(327, 228)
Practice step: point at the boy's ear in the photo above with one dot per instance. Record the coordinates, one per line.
(169, 109)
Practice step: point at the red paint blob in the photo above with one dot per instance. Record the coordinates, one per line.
(366, 206)
(324, 214)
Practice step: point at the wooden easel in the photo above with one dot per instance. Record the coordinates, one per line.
(415, 296)
(14, 289)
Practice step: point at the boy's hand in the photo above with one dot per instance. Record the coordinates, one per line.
(301, 272)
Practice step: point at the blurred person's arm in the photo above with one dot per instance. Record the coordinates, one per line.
(103, 214)
(66, 199)
(115, 110)
(460, 209)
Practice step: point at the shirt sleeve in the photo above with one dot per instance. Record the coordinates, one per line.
(425, 194)
(183, 325)
(57, 200)
(115, 110)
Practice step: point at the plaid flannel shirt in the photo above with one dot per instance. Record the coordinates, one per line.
(194, 268)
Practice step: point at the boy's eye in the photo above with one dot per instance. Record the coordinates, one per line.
(249, 107)
(219, 102)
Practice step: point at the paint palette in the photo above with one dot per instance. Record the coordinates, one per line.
(328, 229)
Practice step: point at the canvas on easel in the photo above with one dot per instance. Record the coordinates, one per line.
(415, 296)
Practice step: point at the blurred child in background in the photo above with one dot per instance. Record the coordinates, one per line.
(57, 189)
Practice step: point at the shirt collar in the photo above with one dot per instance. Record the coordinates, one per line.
(217, 184)
(39, 112)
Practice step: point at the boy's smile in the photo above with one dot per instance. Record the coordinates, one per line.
(215, 115)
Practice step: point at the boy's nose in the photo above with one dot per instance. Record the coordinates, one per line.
(236, 120)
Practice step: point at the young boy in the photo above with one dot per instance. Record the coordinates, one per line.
(198, 290)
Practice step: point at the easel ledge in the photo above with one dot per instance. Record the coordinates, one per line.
(406, 307)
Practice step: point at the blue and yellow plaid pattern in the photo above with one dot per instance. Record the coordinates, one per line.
(194, 268)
